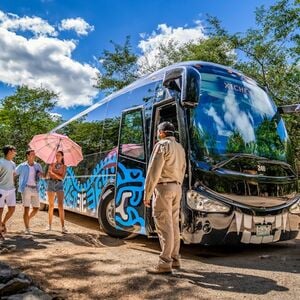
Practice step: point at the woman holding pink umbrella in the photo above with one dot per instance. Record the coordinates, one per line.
(59, 151)
(56, 174)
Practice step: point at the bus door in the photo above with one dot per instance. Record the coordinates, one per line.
(163, 111)
(131, 173)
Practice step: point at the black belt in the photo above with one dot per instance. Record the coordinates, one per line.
(168, 182)
(55, 179)
(31, 186)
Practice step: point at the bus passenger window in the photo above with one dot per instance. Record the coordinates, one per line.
(132, 135)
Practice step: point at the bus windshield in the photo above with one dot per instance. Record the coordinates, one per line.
(234, 115)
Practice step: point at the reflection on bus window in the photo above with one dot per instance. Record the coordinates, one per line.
(235, 116)
(132, 139)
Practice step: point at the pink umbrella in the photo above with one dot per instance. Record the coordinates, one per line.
(46, 145)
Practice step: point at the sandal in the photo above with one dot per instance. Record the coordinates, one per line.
(2, 238)
(3, 230)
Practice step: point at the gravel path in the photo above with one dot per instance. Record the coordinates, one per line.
(87, 264)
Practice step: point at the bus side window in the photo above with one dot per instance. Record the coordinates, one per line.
(132, 135)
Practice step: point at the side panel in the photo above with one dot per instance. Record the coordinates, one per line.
(82, 194)
(131, 172)
(97, 134)
(129, 207)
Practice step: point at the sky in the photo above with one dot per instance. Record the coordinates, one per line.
(56, 44)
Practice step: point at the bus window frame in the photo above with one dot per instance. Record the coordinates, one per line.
(124, 112)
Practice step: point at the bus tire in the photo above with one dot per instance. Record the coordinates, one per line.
(106, 215)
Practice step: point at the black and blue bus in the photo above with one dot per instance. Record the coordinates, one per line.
(241, 183)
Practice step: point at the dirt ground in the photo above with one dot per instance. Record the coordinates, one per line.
(87, 264)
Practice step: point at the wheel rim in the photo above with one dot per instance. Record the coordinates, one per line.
(110, 213)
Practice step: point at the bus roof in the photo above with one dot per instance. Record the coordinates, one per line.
(155, 76)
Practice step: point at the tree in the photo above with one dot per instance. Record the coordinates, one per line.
(24, 114)
(119, 67)
(214, 49)
(271, 54)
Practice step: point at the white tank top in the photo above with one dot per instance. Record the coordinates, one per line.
(31, 177)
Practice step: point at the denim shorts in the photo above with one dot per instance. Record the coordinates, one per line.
(55, 185)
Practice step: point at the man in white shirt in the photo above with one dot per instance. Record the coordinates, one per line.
(7, 186)
(29, 173)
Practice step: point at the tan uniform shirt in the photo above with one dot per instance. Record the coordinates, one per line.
(167, 163)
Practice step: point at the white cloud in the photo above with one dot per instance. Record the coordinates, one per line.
(238, 119)
(165, 34)
(80, 26)
(35, 25)
(217, 120)
(43, 61)
(56, 116)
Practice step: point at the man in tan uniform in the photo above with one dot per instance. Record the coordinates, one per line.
(164, 177)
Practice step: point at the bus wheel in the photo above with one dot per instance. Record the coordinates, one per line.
(106, 214)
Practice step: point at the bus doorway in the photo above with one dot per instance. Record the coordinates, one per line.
(163, 113)
(131, 173)
(166, 112)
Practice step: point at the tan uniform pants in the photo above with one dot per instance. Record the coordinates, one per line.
(166, 207)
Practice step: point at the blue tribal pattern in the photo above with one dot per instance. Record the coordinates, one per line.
(84, 197)
(130, 187)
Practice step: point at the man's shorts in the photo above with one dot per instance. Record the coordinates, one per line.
(8, 197)
(55, 185)
(30, 196)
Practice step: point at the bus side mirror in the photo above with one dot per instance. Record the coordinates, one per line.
(289, 109)
(187, 80)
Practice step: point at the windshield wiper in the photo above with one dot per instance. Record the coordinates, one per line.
(239, 155)
(260, 158)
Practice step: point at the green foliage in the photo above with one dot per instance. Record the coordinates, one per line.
(271, 54)
(25, 114)
(268, 141)
(267, 144)
(214, 49)
(132, 130)
(167, 54)
(271, 50)
(94, 137)
(119, 67)
(235, 143)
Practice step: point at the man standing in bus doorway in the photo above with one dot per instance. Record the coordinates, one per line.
(29, 173)
(7, 186)
(164, 177)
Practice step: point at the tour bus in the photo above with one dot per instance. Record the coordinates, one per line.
(241, 182)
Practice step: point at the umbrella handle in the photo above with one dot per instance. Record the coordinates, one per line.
(57, 147)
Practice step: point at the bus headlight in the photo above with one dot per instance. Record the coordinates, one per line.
(295, 208)
(198, 202)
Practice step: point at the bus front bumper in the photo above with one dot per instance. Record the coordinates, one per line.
(239, 227)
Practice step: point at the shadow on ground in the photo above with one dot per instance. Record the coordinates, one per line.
(84, 275)
(25, 243)
(88, 268)
(282, 256)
